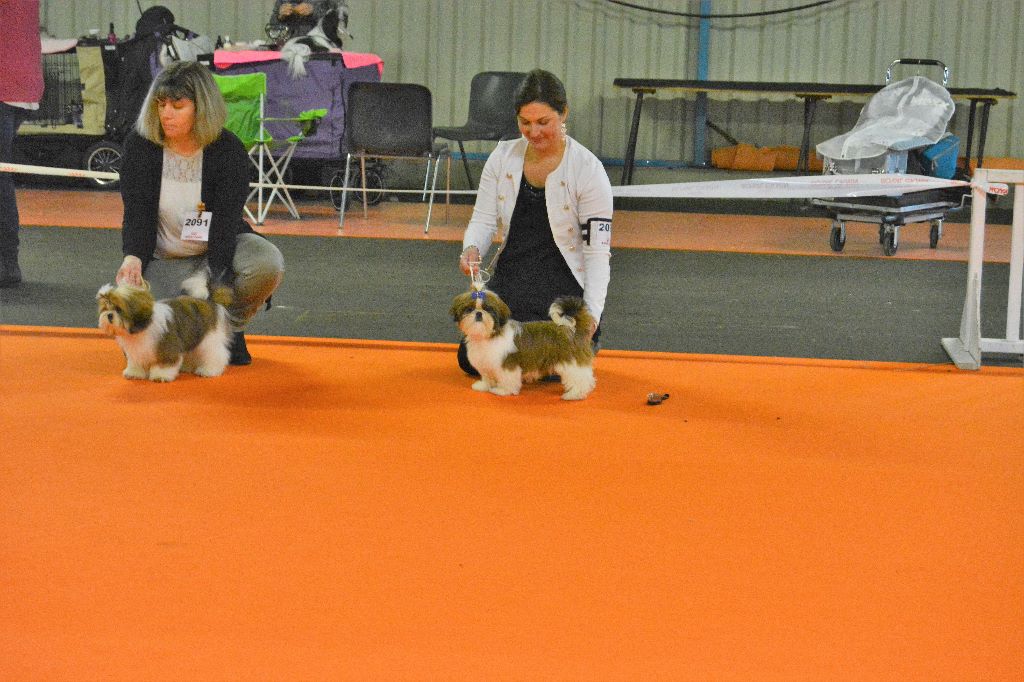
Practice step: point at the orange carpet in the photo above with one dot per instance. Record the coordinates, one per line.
(633, 229)
(352, 510)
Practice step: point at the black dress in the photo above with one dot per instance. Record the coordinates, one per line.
(531, 272)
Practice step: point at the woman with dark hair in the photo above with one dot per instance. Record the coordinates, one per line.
(184, 182)
(551, 199)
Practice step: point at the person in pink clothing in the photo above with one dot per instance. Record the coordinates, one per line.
(21, 88)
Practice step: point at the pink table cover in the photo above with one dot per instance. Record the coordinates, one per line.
(353, 60)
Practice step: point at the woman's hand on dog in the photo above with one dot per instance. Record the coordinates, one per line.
(470, 259)
(130, 271)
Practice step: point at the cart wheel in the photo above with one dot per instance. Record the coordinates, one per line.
(374, 187)
(881, 234)
(936, 232)
(837, 238)
(104, 156)
(890, 243)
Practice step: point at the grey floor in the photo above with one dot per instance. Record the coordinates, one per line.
(765, 305)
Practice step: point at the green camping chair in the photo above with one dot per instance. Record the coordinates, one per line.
(245, 96)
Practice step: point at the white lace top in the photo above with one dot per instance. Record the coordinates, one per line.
(180, 191)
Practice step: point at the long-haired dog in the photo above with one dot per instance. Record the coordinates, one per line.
(507, 352)
(162, 338)
(329, 33)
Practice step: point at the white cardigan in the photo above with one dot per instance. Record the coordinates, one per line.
(579, 202)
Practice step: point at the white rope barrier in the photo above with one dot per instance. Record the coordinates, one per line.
(104, 175)
(59, 172)
(797, 187)
(357, 189)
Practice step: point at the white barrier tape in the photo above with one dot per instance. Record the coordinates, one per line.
(996, 188)
(797, 187)
(359, 190)
(61, 172)
(104, 175)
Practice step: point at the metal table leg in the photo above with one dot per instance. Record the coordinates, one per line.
(810, 104)
(627, 165)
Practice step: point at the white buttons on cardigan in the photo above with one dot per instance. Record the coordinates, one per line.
(501, 197)
(566, 207)
(572, 247)
(563, 183)
(508, 176)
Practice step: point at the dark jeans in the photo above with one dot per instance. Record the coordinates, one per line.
(10, 119)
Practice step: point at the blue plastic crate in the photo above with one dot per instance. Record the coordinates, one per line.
(940, 158)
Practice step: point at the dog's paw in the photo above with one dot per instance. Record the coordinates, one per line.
(481, 385)
(575, 394)
(208, 371)
(131, 372)
(502, 390)
(163, 374)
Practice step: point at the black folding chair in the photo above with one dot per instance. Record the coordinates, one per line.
(492, 113)
(391, 121)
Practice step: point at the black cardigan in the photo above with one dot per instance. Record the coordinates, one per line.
(225, 187)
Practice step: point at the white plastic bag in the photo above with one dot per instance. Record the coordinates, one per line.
(904, 115)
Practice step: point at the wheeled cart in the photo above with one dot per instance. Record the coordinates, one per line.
(71, 125)
(903, 125)
(892, 213)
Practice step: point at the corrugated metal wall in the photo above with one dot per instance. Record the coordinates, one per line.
(442, 43)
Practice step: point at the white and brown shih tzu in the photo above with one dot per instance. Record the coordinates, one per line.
(162, 338)
(508, 353)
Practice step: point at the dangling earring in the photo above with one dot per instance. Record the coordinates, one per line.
(564, 129)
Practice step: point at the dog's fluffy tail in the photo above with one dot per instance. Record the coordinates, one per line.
(572, 312)
(296, 54)
(222, 294)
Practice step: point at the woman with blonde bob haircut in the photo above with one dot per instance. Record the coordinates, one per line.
(184, 183)
(183, 80)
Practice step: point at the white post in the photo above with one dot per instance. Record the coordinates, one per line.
(976, 248)
(1013, 296)
(967, 349)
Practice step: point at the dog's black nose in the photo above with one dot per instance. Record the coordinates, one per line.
(478, 316)
(110, 317)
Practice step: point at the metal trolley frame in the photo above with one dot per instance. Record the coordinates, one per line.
(891, 213)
